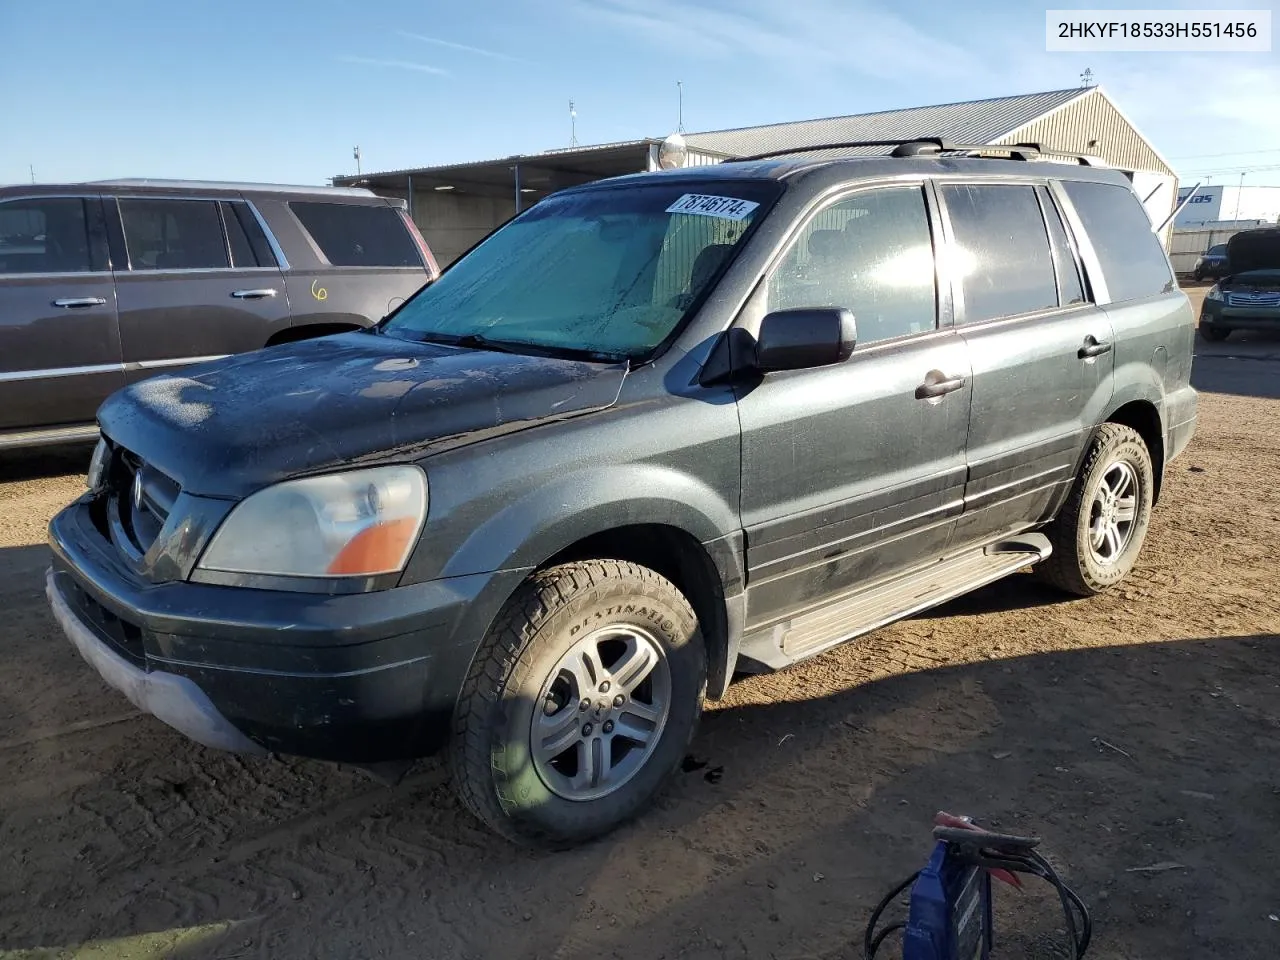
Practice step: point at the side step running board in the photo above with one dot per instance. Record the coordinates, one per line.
(815, 630)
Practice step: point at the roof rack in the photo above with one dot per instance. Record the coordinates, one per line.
(933, 147)
(160, 183)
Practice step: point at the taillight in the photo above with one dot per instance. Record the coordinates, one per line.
(423, 249)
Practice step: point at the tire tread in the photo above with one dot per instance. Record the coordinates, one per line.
(1062, 568)
(498, 656)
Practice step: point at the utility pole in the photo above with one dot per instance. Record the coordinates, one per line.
(1239, 190)
(356, 153)
(32, 168)
(679, 107)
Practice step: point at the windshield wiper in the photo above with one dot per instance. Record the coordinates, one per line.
(478, 341)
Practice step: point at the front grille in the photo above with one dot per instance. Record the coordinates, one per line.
(122, 635)
(140, 499)
(1261, 298)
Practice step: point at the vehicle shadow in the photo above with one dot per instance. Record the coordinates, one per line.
(1018, 592)
(50, 461)
(796, 809)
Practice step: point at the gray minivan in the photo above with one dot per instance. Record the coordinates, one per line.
(103, 284)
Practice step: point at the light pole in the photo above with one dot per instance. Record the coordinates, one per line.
(1239, 190)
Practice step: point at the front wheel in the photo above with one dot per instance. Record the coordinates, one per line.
(1099, 533)
(1214, 334)
(580, 703)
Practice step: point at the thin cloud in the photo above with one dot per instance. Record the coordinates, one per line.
(478, 51)
(794, 38)
(397, 64)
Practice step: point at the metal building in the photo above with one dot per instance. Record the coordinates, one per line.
(456, 205)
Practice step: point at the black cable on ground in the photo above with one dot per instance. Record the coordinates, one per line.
(871, 942)
(1071, 903)
(875, 944)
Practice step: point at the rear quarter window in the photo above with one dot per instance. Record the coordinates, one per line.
(1133, 262)
(355, 235)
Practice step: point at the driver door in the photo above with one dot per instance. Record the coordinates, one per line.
(855, 471)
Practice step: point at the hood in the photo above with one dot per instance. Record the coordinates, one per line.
(228, 428)
(1252, 278)
(1254, 250)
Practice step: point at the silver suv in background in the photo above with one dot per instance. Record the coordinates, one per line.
(103, 284)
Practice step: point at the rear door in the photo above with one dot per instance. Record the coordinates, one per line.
(200, 281)
(855, 471)
(59, 340)
(350, 262)
(1041, 351)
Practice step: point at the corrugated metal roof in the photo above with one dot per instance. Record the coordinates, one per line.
(974, 121)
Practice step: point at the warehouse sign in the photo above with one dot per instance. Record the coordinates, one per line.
(701, 205)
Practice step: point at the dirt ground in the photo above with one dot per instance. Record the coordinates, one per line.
(1138, 733)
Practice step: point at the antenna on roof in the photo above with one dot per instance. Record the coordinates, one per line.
(679, 107)
(1086, 78)
(573, 125)
(355, 152)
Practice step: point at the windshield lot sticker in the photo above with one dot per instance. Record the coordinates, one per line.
(726, 208)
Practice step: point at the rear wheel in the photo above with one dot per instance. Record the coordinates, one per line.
(580, 703)
(1099, 533)
(1213, 333)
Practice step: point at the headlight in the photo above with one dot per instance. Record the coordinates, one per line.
(97, 467)
(1214, 293)
(356, 524)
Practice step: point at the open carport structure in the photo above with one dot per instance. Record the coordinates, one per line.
(456, 205)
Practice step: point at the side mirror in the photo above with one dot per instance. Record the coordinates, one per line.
(809, 337)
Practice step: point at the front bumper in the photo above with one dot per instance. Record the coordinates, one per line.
(357, 678)
(167, 696)
(1216, 313)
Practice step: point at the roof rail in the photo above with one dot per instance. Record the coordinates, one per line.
(932, 147)
(160, 183)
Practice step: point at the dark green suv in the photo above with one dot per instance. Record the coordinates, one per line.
(653, 432)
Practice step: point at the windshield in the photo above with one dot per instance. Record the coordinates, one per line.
(1217, 250)
(608, 272)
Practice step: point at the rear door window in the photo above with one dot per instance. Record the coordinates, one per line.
(1002, 254)
(44, 235)
(173, 234)
(357, 235)
(1133, 262)
(242, 254)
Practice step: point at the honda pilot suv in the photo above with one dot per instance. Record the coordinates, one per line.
(654, 432)
(105, 284)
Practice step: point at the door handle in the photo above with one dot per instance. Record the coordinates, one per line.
(938, 384)
(1093, 348)
(254, 294)
(73, 302)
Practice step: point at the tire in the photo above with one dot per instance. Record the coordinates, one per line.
(530, 667)
(1213, 334)
(1078, 564)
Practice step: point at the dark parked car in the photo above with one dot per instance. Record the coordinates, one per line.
(654, 431)
(1212, 263)
(1248, 297)
(104, 284)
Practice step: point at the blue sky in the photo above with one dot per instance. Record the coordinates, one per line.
(280, 90)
